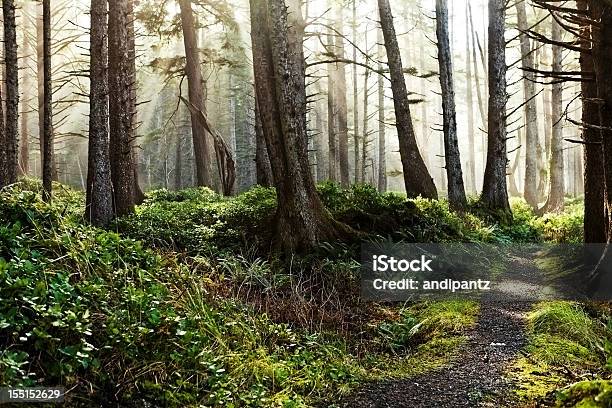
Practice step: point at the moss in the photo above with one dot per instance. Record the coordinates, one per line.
(586, 394)
(533, 380)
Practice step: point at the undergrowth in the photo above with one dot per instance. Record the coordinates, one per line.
(117, 323)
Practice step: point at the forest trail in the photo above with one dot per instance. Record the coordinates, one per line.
(477, 375)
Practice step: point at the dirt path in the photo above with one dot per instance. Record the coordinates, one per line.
(477, 376)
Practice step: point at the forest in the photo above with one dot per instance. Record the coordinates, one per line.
(188, 189)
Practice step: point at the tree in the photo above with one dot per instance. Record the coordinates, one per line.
(556, 194)
(494, 192)
(531, 115)
(341, 102)
(454, 173)
(356, 157)
(594, 202)
(469, 95)
(601, 278)
(99, 203)
(47, 131)
(196, 96)
(417, 180)
(120, 83)
(277, 33)
(138, 193)
(382, 142)
(11, 132)
(264, 168)
(24, 146)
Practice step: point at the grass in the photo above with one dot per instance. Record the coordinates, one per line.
(566, 341)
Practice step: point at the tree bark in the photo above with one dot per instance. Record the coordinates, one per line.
(531, 115)
(594, 199)
(277, 33)
(356, 158)
(556, 195)
(382, 126)
(264, 168)
(601, 279)
(196, 95)
(495, 192)
(139, 196)
(454, 173)
(47, 134)
(341, 103)
(470, 111)
(12, 92)
(417, 180)
(364, 136)
(24, 145)
(332, 115)
(99, 203)
(121, 114)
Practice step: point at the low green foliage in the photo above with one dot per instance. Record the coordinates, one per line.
(586, 394)
(118, 323)
(565, 340)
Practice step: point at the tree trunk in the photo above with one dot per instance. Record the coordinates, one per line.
(121, 114)
(364, 137)
(178, 162)
(99, 203)
(12, 92)
(556, 195)
(594, 199)
(382, 126)
(139, 196)
(47, 134)
(470, 112)
(277, 34)
(531, 115)
(494, 191)
(341, 104)
(24, 145)
(454, 173)
(196, 96)
(355, 98)
(262, 160)
(40, 75)
(417, 179)
(602, 55)
(332, 116)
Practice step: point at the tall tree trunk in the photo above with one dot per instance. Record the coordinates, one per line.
(121, 121)
(355, 98)
(470, 111)
(196, 95)
(454, 173)
(40, 75)
(277, 33)
(417, 179)
(594, 199)
(12, 91)
(178, 162)
(99, 203)
(341, 103)
(602, 56)
(494, 191)
(24, 145)
(332, 116)
(47, 134)
(382, 126)
(556, 195)
(531, 115)
(364, 137)
(139, 196)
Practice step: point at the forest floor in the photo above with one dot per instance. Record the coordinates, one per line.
(478, 375)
